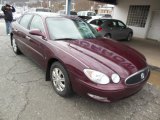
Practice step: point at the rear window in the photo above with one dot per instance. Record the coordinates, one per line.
(43, 10)
(91, 14)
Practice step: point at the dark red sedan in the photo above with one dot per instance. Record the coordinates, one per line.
(76, 59)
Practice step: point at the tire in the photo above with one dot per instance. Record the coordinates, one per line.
(15, 47)
(107, 36)
(60, 80)
(129, 37)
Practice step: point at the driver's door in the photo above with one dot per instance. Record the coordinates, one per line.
(123, 31)
(36, 43)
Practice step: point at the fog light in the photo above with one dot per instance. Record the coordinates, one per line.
(102, 99)
(115, 78)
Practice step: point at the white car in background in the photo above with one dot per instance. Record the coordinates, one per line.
(86, 13)
(104, 15)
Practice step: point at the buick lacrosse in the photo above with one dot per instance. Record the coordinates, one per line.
(76, 59)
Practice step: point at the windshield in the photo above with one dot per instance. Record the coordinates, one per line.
(61, 28)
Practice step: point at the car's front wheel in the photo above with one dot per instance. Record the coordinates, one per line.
(60, 80)
(15, 47)
(129, 37)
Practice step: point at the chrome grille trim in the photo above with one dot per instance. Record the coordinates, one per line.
(136, 73)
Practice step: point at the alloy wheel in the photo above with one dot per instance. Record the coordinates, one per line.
(14, 45)
(58, 79)
(129, 36)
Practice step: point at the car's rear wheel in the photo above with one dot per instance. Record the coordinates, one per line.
(129, 37)
(60, 80)
(15, 47)
(107, 36)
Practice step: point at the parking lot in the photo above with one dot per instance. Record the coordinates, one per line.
(25, 95)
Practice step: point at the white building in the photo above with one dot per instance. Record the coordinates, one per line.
(143, 16)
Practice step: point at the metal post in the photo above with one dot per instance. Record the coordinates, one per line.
(68, 7)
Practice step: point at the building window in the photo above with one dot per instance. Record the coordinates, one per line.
(137, 15)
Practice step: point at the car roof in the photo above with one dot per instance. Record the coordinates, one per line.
(86, 11)
(50, 14)
(102, 19)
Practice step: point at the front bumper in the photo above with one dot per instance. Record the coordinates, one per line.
(105, 95)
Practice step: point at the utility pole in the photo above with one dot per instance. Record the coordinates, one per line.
(41, 3)
(68, 7)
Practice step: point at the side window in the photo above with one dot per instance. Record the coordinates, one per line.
(99, 22)
(89, 14)
(37, 23)
(110, 24)
(114, 23)
(94, 22)
(25, 20)
(121, 24)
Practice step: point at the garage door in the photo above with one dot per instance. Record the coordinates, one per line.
(154, 31)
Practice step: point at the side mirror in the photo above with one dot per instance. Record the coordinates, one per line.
(37, 32)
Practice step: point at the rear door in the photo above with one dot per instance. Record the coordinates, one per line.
(20, 30)
(36, 43)
(111, 27)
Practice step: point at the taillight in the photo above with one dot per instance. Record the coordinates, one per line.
(99, 29)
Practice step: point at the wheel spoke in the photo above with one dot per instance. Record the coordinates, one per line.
(56, 71)
(62, 80)
(55, 83)
(60, 73)
(53, 75)
(62, 85)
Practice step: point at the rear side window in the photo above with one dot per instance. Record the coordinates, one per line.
(110, 23)
(97, 22)
(94, 22)
(25, 20)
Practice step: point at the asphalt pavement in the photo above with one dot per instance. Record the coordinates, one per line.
(25, 95)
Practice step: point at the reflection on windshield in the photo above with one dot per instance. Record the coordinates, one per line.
(60, 28)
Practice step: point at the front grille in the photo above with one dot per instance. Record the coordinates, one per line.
(137, 77)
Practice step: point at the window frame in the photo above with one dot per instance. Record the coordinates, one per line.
(28, 22)
(122, 23)
(37, 28)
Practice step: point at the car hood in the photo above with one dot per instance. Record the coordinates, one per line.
(103, 54)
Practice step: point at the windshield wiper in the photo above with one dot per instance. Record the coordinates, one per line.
(65, 39)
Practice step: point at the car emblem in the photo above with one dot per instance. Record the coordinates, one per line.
(142, 75)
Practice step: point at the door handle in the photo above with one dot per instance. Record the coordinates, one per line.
(28, 37)
(15, 30)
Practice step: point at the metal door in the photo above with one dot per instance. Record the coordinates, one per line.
(155, 26)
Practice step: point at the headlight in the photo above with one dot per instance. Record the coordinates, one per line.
(96, 76)
(115, 78)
